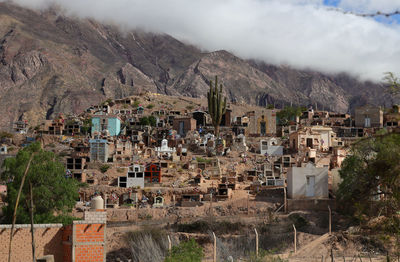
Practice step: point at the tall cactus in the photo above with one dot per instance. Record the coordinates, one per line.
(216, 105)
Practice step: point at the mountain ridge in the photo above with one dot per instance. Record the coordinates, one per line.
(51, 64)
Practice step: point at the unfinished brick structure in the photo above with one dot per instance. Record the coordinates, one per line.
(82, 241)
(85, 240)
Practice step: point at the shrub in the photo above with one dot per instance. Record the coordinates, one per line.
(148, 244)
(299, 221)
(104, 168)
(4, 134)
(188, 251)
(136, 104)
(150, 106)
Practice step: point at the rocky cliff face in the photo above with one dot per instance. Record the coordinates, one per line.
(50, 63)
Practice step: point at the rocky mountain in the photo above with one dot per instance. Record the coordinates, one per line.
(51, 63)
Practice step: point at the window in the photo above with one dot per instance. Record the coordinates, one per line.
(131, 174)
(139, 175)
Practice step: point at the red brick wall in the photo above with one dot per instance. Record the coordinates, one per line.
(89, 233)
(89, 253)
(48, 241)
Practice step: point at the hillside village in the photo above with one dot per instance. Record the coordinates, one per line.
(152, 157)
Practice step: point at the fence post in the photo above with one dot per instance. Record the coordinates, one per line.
(169, 243)
(330, 220)
(295, 239)
(215, 248)
(285, 199)
(255, 230)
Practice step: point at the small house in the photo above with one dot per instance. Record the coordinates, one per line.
(308, 181)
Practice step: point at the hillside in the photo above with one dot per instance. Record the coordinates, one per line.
(51, 63)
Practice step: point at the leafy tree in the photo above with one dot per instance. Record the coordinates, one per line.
(54, 195)
(144, 121)
(148, 121)
(86, 127)
(188, 251)
(392, 84)
(152, 120)
(371, 177)
(288, 114)
(216, 105)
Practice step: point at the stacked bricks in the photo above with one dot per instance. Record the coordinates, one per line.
(99, 216)
(48, 241)
(89, 237)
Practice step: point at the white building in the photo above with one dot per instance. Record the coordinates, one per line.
(165, 149)
(271, 147)
(307, 182)
(133, 178)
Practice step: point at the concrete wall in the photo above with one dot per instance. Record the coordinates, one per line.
(48, 241)
(311, 204)
(297, 181)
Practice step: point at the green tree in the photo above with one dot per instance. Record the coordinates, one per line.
(152, 120)
(288, 114)
(148, 121)
(144, 121)
(54, 195)
(392, 84)
(188, 251)
(216, 105)
(371, 177)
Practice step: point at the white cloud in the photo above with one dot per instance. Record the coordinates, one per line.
(370, 5)
(301, 33)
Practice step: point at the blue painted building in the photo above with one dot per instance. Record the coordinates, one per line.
(106, 122)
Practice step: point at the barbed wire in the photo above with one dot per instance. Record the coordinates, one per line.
(378, 13)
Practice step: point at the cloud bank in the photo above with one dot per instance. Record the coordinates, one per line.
(300, 33)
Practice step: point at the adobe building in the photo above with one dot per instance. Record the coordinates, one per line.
(369, 116)
(262, 123)
(184, 124)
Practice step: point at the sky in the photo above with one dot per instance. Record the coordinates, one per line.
(305, 34)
